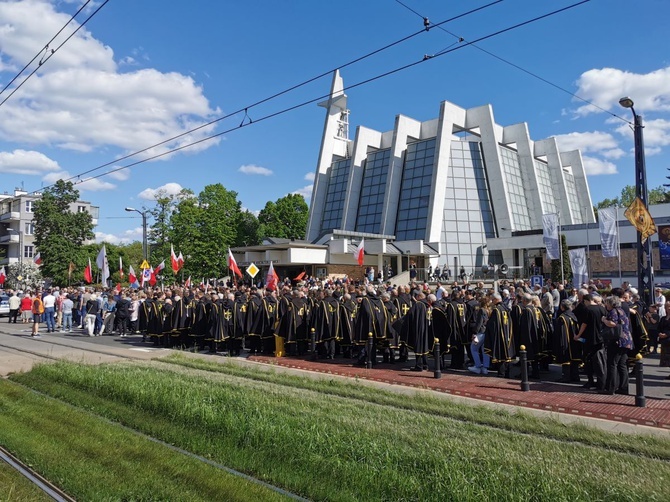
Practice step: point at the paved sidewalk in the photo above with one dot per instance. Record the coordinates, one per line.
(555, 397)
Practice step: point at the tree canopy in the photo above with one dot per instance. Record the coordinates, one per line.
(658, 195)
(59, 231)
(286, 218)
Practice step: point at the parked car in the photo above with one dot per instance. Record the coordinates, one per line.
(4, 305)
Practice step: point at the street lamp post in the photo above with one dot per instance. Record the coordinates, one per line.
(145, 249)
(645, 270)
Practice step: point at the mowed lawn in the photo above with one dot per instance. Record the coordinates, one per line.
(328, 440)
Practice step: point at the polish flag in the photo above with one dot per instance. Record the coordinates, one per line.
(159, 268)
(3, 275)
(37, 259)
(132, 278)
(187, 284)
(180, 260)
(120, 267)
(174, 260)
(118, 288)
(152, 278)
(272, 278)
(359, 254)
(232, 264)
(88, 272)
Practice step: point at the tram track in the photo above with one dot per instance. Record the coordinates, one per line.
(35, 478)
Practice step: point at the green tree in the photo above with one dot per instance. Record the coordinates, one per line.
(203, 228)
(658, 195)
(59, 232)
(286, 218)
(248, 230)
(556, 264)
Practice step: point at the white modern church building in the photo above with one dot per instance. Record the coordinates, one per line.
(447, 191)
(441, 188)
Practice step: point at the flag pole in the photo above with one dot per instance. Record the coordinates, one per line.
(560, 245)
(588, 253)
(618, 242)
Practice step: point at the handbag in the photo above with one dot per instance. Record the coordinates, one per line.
(614, 333)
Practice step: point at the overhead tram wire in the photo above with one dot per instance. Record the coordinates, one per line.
(278, 94)
(53, 51)
(514, 65)
(315, 100)
(46, 48)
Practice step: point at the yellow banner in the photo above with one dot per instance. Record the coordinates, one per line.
(638, 214)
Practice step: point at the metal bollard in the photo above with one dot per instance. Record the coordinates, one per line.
(438, 359)
(312, 337)
(370, 347)
(525, 385)
(640, 400)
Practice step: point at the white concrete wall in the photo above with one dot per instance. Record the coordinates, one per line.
(574, 159)
(549, 148)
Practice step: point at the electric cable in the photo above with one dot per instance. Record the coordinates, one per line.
(518, 67)
(46, 47)
(53, 51)
(314, 100)
(278, 94)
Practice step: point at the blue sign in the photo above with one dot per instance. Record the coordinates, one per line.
(536, 280)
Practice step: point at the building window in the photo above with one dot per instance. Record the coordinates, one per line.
(28, 251)
(81, 209)
(372, 192)
(545, 184)
(29, 229)
(518, 206)
(573, 200)
(337, 190)
(417, 179)
(29, 206)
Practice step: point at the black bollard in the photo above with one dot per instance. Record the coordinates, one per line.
(640, 400)
(312, 337)
(525, 385)
(438, 359)
(369, 348)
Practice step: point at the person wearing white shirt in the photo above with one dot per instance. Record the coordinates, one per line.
(49, 302)
(659, 300)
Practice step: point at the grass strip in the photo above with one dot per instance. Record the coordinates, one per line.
(642, 444)
(329, 447)
(91, 459)
(15, 487)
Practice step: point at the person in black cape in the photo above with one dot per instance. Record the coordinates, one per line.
(499, 339)
(566, 350)
(417, 331)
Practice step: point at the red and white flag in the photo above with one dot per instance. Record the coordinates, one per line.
(88, 272)
(232, 264)
(120, 267)
(132, 278)
(3, 275)
(180, 260)
(187, 284)
(152, 277)
(272, 278)
(359, 254)
(159, 268)
(174, 260)
(37, 259)
(118, 288)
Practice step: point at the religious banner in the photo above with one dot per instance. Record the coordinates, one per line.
(550, 235)
(638, 214)
(664, 246)
(609, 235)
(578, 263)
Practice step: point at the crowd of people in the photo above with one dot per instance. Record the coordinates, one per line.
(478, 329)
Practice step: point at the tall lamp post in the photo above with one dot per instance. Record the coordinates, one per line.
(145, 249)
(645, 271)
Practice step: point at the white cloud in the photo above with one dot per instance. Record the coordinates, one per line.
(165, 190)
(604, 87)
(594, 166)
(305, 191)
(310, 176)
(121, 175)
(253, 169)
(656, 134)
(595, 141)
(126, 237)
(252, 211)
(83, 184)
(27, 162)
(80, 101)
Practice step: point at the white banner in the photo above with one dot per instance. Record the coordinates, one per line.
(609, 236)
(550, 235)
(578, 263)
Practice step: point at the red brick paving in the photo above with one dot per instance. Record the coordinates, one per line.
(544, 396)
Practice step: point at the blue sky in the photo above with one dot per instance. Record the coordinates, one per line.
(141, 72)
